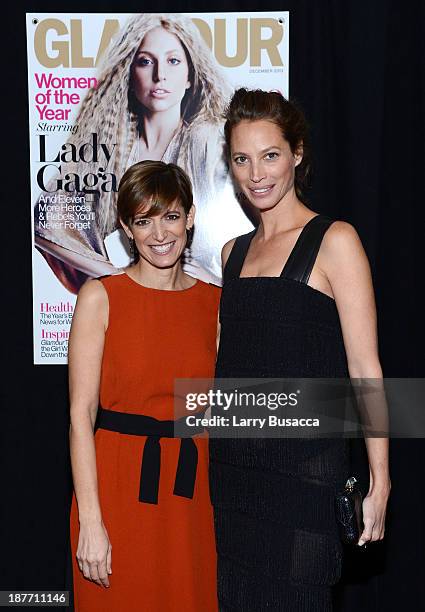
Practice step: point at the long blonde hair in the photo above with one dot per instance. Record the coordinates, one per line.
(107, 112)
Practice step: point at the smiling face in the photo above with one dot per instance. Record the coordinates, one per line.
(160, 71)
(161, 238)
(262, 162)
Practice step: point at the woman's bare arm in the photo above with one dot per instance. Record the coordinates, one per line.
(347, 269)
(86, 344)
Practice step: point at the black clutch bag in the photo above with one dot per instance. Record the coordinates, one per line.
(349, 512)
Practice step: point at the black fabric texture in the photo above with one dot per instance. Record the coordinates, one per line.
(273, 499)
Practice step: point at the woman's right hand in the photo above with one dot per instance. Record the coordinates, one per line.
(94, 552)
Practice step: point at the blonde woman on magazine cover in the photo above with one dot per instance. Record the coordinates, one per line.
(160, 96)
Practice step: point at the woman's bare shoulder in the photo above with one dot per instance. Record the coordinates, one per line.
(92, 295)
(342, 253)
(341, 237)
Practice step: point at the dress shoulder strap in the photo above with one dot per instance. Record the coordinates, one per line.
(234, 263)
(301, 260)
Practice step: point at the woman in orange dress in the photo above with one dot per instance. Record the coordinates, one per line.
(141, 521)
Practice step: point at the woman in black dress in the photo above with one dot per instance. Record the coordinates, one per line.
(297, 301)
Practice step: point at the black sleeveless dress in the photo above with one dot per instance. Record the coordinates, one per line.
(277, 541)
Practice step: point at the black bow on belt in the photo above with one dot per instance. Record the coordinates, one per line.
(141, 425)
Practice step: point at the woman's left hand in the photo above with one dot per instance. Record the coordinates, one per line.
(374, 509)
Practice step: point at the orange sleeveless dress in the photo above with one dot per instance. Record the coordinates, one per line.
(163, 555)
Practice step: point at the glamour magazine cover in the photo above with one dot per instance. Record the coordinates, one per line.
(90, 110)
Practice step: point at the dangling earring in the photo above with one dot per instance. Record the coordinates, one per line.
(189, 235)
(132, 243)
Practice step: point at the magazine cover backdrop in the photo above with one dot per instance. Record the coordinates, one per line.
(90, 106)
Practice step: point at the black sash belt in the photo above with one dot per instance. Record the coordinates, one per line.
(141, 425)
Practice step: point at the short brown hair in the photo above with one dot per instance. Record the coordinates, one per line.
(152, 187)
(256, 105)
